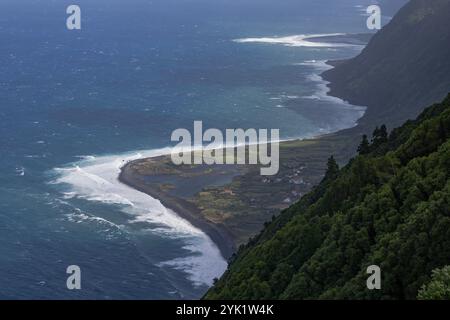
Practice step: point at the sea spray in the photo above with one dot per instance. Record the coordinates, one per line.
(96, 179)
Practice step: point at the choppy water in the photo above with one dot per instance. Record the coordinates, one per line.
(76, 104)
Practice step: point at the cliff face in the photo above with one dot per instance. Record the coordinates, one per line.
(405, 66)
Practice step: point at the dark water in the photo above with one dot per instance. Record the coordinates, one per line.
(75, 104)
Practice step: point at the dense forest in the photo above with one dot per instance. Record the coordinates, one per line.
(389, 206)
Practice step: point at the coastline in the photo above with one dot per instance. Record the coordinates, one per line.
(184, 209)
(313, 151)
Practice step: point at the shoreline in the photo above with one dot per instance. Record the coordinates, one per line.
(218, 233)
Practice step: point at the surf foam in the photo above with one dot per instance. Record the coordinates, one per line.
(96, 179)
(297, 41)
(322, 89)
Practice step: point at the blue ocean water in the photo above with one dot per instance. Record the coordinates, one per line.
(75, 104)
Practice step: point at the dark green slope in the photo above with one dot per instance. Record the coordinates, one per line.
(389, 207)
(405, 66)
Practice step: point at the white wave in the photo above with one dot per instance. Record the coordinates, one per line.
(86, 157)
(322, 89)
(20, 171)
(204, 244)
(79, 216)
(297, 41)
(319, 65)
(96, 179)
(69, 195)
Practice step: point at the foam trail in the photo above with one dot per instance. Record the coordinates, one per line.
(96, 179)
(297, 41)
(322, 88)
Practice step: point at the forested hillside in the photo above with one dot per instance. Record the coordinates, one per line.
(390, 206)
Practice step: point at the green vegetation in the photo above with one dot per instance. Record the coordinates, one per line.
(236, 197)
(364, 147)
(439, 286)
(389, 206)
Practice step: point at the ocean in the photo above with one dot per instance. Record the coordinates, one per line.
(76, 105)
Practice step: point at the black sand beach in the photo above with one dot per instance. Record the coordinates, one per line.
(186, 210)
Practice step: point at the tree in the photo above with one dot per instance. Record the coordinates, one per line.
(281, 277)
(364, 146)
(380, 136)
(332, 169)
(442, 130)
(384, 133)
(439, 286)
